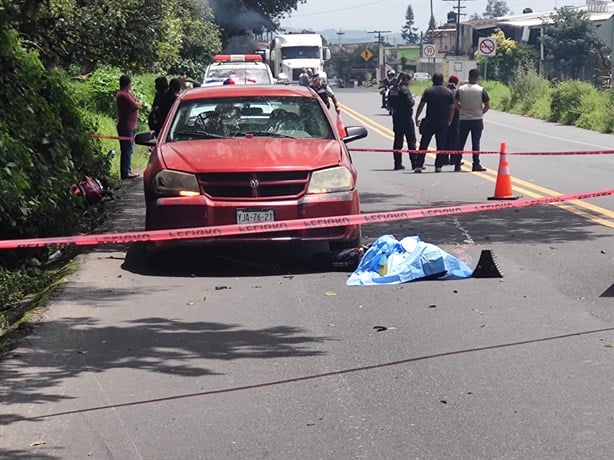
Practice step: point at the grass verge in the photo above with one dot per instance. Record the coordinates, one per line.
(15, 317)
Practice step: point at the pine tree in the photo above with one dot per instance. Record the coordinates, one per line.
(408, 31)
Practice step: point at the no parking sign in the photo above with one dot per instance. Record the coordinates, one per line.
(487, 46)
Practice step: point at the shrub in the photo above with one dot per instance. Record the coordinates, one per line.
(97, 92)
(592, 110)
(528, 89)
(45, 145)
(499, 94)
(540, 107)
(608, 116)
(15, 285)
(566, 104)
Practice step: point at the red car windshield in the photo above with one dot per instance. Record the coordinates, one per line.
(271, 116)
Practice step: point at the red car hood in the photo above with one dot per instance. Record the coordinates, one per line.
(241, 154)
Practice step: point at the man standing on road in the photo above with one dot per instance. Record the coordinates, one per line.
(439, 103)
(127, 119)
(402, 103)
(473, 102)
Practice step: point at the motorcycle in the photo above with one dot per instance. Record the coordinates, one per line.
(385, 88)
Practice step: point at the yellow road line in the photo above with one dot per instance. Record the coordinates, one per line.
(519, 185)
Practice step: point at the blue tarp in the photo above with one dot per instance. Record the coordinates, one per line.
(409, 259)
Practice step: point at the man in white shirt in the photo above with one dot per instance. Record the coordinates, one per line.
(473, 102)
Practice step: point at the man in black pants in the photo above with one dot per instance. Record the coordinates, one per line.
(473, 101)
(402, 103)
(439, 102)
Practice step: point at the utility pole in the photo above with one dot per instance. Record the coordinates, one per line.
(458, 9)
(339, 34)
(382, 52)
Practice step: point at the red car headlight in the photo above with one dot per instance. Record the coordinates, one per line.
(338, 179)
(175, 183)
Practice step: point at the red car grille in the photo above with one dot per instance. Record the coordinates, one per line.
(255, 186)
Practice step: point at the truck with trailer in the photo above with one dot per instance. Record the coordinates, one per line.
(289, 54)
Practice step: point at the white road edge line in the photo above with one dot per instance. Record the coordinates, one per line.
(550, 137)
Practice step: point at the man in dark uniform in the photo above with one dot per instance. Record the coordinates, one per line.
(440, 105)
(402, 103)
(452, 136)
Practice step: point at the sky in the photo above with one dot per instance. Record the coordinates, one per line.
(382, 15)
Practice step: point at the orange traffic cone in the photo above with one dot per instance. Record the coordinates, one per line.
(341, 126)
(503, 187)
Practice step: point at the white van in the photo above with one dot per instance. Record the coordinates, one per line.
(239, 69)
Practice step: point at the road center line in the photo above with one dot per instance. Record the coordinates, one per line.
(491, 175)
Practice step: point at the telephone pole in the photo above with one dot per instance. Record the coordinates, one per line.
(382, 52)
(458, 9)
(339, 34)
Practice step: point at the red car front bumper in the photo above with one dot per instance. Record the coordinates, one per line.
(201, 211)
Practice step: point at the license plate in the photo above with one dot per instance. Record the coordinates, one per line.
(254, 217)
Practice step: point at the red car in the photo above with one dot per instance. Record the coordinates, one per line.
(244, 154)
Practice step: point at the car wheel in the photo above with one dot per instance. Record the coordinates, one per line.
(340, 245)
(148, 213)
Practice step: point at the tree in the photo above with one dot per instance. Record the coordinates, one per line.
(428, 36)
(200, 38)
(239, 17)
(571, 43)
(408, 31)
(496, 9)
(351, 65)
(130, 34)
(511, 57)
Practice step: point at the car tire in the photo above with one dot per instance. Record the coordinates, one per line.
(348, 244)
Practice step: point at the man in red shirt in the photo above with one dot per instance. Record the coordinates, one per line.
(127, 119)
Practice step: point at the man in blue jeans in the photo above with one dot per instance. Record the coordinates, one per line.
(127, 119)
(473, 102)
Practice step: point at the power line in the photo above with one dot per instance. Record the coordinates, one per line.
(339, 9)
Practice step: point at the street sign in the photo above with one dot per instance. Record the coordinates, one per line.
(429, 51)
(606, 32)
(487, 46)
(366, 54)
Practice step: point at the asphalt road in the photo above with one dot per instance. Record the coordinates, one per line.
(237, 353)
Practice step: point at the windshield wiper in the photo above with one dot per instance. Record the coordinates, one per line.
(198, 134)
(263, 134)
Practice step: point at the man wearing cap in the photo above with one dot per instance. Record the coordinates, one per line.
(324, 91)
(473, 102)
